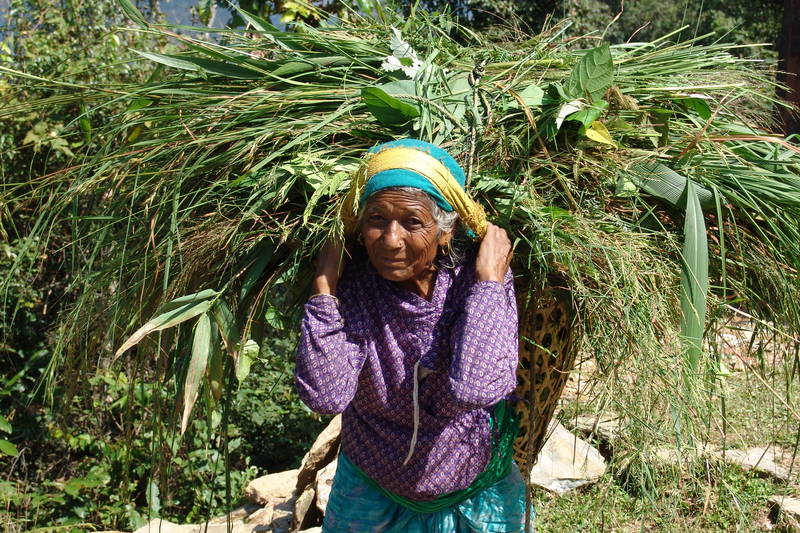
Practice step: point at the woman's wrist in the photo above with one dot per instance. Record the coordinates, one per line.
(322, 285)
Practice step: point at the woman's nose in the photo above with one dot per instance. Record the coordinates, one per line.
(392, 234)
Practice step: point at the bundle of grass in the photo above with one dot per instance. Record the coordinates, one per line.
(638, 182)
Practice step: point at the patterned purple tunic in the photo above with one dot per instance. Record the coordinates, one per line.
(357, 355)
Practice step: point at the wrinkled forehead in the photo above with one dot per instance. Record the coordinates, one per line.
(401, 199)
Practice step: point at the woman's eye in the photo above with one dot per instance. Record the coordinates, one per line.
(414, 222)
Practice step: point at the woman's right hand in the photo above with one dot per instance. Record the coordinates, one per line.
(330, 263)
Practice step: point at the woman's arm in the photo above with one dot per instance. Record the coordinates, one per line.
(483, 338)
(484, 346)
(328, 360)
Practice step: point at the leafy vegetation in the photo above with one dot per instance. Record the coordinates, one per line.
(162, 227)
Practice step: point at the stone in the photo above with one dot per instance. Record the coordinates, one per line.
(237, 514)
(603, 426)
(282, 518)
(157, 525)
(324, 483)
(272, 487)
(759, 459)
(312, 530)
(786, 512)
(566, 462)
(301, 508)
(262, 517)
(322, 452)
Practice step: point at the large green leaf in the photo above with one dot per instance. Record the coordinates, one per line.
(587, 115)
(172, 314)
(8, 448)
(666, 184)
(388, 110)
(226, 323)
(201, 349)
(694, 278)
(593, 75)
(201, 64)
(247, 355)
(133, 13)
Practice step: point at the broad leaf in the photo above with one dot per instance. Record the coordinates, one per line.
(388, 110)
(694, 279)
(216, 365)
(260, 258)
(247, 355)
(666, 184)
(172, 314)
(593, 75)
(201, 64)
(531, 95)
(201, 349)
(133, 13)
(698, 105)
(226, 323)
(587, 115)
(5, 425)
(597, 132)
(8, 448)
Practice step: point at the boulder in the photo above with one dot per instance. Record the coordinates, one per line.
(786, 512)
(566, 462)
(272, 487)
(324, 483)
(301, 508)
(603, 426)
(760, 459)
(312, 530)
(282, 516)
(322, 452)
(157, 525)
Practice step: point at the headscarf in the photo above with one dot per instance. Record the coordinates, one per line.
(418, 164)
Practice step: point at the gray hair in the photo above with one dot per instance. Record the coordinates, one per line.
(446, 222)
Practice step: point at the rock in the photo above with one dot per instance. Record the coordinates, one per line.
(786, 512)
(323, 485)
(301, 508)
(566, 462)
(322, 452)
(312, 530)
(604, 426)
(262, 517)
(669, 455)
(282, 517)
(761, 460)
(239, 513)
(272, 487)
(157, 525)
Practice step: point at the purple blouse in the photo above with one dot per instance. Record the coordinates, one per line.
(357, 355)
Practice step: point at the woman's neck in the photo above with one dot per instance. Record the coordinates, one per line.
(422, 285)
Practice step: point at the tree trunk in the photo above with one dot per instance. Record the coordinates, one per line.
(789, 48)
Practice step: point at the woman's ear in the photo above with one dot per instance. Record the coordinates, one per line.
(445, 238)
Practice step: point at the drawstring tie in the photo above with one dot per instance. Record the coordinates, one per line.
(419, 375)
(415, 396)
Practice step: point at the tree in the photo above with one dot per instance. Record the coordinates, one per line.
(789, 65)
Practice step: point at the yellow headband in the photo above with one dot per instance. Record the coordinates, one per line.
(470, 212)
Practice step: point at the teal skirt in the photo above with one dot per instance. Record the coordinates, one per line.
(355, 506)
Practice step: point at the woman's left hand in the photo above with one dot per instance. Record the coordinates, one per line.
(494, 255)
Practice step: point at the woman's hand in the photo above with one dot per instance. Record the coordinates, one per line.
(330, 263)
(494, 255)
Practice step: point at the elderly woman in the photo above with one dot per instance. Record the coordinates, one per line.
(418, 350)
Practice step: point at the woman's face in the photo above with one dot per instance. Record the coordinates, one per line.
(401, 237)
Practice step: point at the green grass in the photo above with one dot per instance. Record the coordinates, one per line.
(698, 494)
